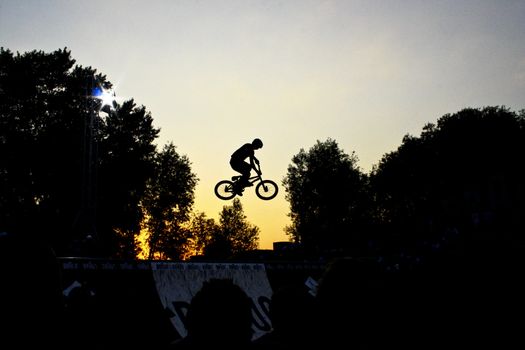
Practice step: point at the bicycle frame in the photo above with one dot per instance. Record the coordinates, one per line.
(251, 179)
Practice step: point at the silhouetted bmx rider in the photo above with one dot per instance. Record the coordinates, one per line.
(239, 164)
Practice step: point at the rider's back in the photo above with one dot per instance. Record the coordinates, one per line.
(245, 151)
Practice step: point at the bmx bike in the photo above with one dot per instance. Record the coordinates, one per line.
(265, 189)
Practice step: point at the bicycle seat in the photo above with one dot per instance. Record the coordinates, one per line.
(235, 178)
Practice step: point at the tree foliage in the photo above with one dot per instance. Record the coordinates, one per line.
(41, 126)
(326, 192)
(465, 172)
(126, 163)
(234, 233)
(203, 230)
(168, 203)
(462, 174)
(68, 169)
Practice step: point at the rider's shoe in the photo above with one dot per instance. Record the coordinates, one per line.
(238, 189)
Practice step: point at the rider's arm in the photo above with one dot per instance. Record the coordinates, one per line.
(253, 161)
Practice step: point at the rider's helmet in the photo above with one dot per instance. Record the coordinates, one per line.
(257, 143)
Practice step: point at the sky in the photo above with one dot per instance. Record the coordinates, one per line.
(216, 74)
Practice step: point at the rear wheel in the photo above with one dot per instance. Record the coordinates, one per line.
(266, 189)
(224, 190)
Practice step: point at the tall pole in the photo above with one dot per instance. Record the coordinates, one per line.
(86, 235)
(86, 241)
(92, 156)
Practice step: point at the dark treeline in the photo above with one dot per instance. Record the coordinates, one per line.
(67, 162)
(461, 181)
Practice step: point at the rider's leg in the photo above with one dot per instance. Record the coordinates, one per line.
(245, 178)
(243, 168)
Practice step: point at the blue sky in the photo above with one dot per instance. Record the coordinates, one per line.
(216, 74)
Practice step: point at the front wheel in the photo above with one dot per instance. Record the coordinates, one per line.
(266, 189)
(224, 190)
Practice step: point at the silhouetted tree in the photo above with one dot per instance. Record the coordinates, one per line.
(326, 192)
(66, 166)
(41, 127)
(234, 235)
(168, 203)
(202, 229)
(127, 163)
(463, 173)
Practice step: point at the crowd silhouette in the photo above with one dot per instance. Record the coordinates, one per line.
(455, 301)
(31, 309)
(219, 317)
(452, 303)
(292, 313)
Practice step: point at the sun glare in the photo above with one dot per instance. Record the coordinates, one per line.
(107, 97)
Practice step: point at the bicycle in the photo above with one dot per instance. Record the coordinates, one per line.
(265, 189)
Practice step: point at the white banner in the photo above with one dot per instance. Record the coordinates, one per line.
(176, 284)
